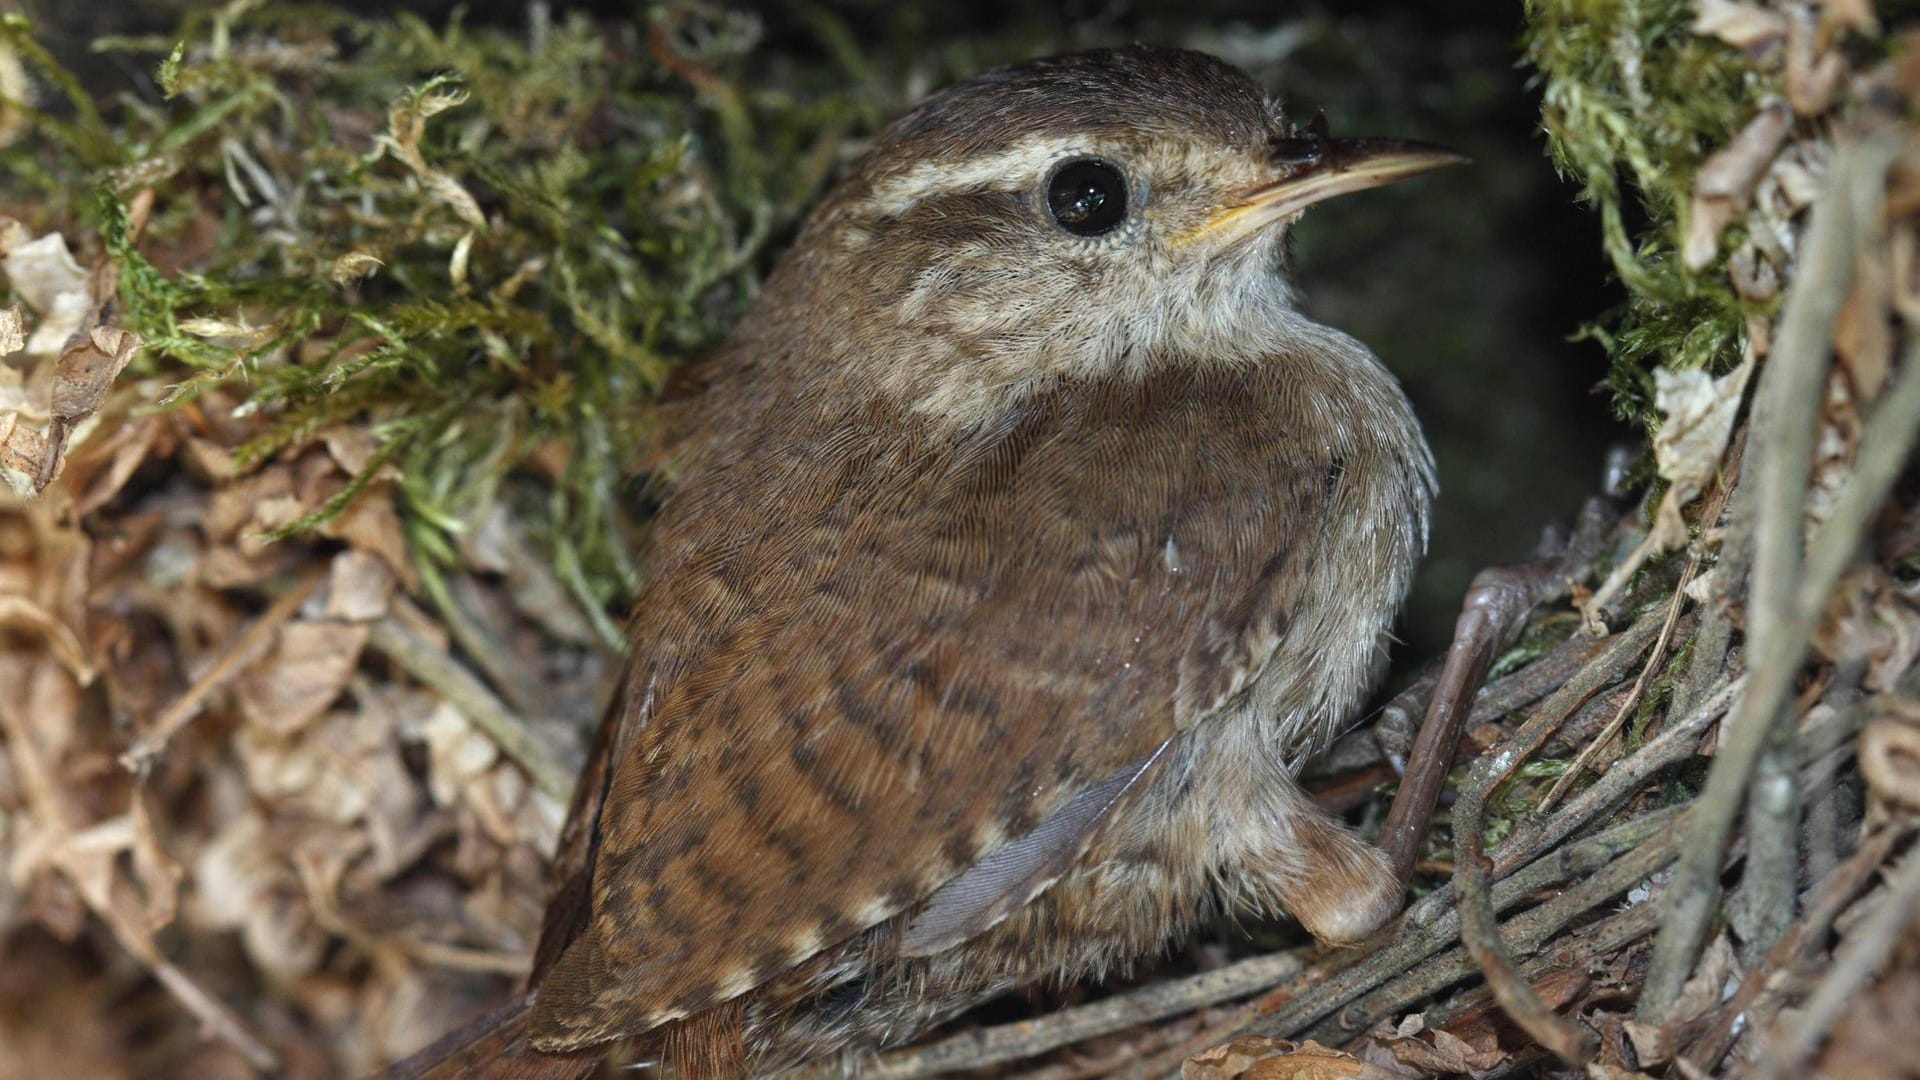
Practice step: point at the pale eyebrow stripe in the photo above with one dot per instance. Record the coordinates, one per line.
(1013, 167)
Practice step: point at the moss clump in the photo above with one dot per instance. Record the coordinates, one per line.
(1633, 103)
(483, 242)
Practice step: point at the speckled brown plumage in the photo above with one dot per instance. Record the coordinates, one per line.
(1005, 577)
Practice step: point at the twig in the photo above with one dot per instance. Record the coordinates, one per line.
(218, 1020)
(109, 899)
(1675, 743)
(1761, 906)
(1599, 881)
(1715, 633)
(466, 958)
(1540, 677)
(1602, 939)
(477, 703)
(1012, 1042)
(1862, 954)
(1479, 931)
(239, 652)
(511, 675)
(1628, 703)
(1424, 931)
(1778, 628)
(1747, 1006)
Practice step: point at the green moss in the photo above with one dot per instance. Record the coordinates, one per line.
(1633, 103)
(479, 241)
(1536, 640)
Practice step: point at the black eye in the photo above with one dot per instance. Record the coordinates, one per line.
(1087, 197)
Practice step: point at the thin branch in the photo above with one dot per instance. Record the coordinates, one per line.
(1602, 939)
(1760, 991)
(1420, 934)
(109, 898)
(1632, 700)
(475, 702)
(1779, 629)
(1675, 743)
(1715, 633)
(1529, 931)
(1012, 1042)
(1858, 958)
(1473, 870)
(239, 652)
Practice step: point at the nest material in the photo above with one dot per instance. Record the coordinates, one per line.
(315, 455)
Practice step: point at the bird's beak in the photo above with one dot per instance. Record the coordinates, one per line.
(1317, 169)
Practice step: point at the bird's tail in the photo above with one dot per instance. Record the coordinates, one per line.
(493, 1046)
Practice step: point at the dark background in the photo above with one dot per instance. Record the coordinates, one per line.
(1468, 283)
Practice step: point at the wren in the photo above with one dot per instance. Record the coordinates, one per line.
(1020, 543)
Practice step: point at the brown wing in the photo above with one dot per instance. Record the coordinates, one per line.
(872, 654)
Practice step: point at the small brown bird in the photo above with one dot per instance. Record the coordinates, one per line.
(1023, 540)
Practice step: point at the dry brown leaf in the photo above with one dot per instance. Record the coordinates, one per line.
(371, 524)
(156, 871)
(1815, 70)
(1748, 27)
(1449, 1054)
(231, 508)
(306, 671)
(206, 461)
(339, 769)
(225, 567)
(85, 371)
(1898, 650)
(359, 586)
(13, 330)
(44, 275)
(22, 449)
(1863, 328)
(22, 613)
(457, 753)
(351, 446)
(1725, 185)
(1697, 413)
(1890, 762)
(1855, 15)
(126, 449)
(1873, 621)
(1656, 1044)
(243, 881)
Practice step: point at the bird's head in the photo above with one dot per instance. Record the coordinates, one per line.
(1092, 214)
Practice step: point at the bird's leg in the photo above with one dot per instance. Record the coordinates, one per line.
(1496, 605)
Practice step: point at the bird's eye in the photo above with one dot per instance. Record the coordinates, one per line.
(1087, 196)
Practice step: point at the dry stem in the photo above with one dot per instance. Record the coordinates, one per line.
(1779, 626)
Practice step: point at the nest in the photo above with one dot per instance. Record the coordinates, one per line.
(317, 391)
